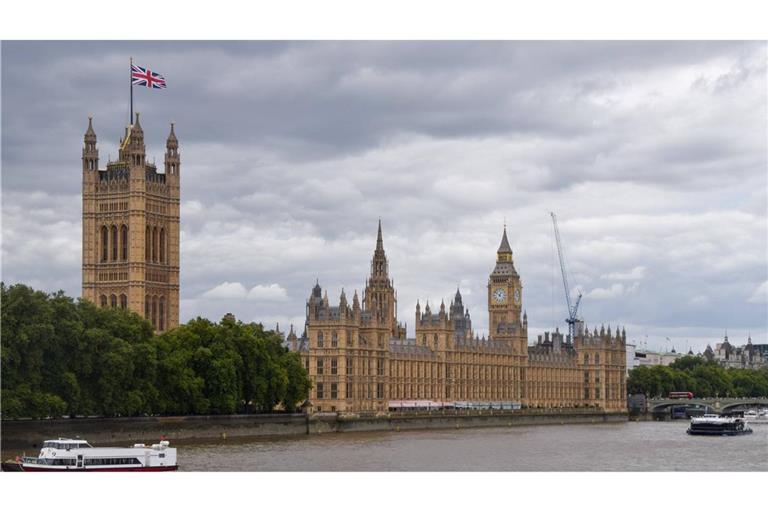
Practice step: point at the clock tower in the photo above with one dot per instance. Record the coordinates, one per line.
(505, 299)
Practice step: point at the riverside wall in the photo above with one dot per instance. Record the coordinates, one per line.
(28, 434)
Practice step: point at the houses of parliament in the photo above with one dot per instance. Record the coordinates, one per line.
(131, 228)
(360, 359)
(357, 354)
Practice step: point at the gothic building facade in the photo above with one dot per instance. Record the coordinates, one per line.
(359, 358)
(131, 228)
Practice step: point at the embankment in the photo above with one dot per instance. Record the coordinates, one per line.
(27, 434)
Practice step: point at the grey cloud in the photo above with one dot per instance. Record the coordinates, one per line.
(653, 154)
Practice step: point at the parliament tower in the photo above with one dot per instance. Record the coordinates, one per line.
(131, 229)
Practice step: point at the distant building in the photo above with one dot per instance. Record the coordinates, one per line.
(632, 361)
(748, 356)
(654, 358)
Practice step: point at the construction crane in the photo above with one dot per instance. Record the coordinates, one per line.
(573, 308)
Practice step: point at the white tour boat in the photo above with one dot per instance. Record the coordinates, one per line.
(77, 455)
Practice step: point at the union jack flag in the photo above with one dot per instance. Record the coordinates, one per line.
(147, 78)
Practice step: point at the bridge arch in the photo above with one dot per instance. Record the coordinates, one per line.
(746, 403)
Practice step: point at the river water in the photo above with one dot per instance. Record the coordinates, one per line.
(633, 446)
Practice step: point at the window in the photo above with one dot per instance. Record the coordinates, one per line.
(334, 390)
(114, 243)
(349, 389)
(113, 300)
(597, 394)
(147, 245)
(349, 365)
(320, 339)
(380, 390)
(162, 245)
(597, 358)
(333, 367)
(147, 307)
(379, 367)
(586, 376)
(154, 311)
(154, 244)
(104, 243)
(334, 339)
(320, 391)
(586, 394)
(124, 242)
(161, 313)
(123, 301)
(103, 301)
(319, 366)
(586, 358)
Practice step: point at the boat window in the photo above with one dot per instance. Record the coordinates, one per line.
(162, 455)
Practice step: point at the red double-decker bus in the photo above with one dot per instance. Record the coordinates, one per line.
(680, 394)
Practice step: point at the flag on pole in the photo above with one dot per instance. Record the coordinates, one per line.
(146, 78)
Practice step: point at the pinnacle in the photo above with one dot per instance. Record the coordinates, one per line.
(172, 135)
(379, 239)
(89, 132)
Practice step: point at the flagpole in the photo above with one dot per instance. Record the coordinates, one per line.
(130, 121)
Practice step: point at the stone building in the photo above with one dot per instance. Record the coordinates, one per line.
(359, 358)
(750, 356)
(131, 229)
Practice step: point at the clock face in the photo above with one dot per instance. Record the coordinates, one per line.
(517, 296)
(499, 295)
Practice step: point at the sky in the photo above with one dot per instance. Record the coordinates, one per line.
(653, 155)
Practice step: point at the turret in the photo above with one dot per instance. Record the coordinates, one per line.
(90, 153)
(172, 156)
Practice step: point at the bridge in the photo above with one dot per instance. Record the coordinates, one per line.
(717, 405)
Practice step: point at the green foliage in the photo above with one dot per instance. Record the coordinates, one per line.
(65, 357)
(697, 375)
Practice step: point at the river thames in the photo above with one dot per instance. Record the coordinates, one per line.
(633, 446)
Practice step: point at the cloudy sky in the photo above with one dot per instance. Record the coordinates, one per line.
(653, 156)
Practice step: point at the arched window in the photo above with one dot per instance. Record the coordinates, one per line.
(104, 243)
(162, 246)
(114, 243)
(103, 301)
(113, 300)
(597, 358)
(123, 301)
(154, 244)
(154, 311)
(124, 242)
(147, 306)
(147, 245)
(161, 314)
(334, 339)
(586, 358)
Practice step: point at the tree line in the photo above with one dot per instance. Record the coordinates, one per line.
(65, 357)
(701, 377)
